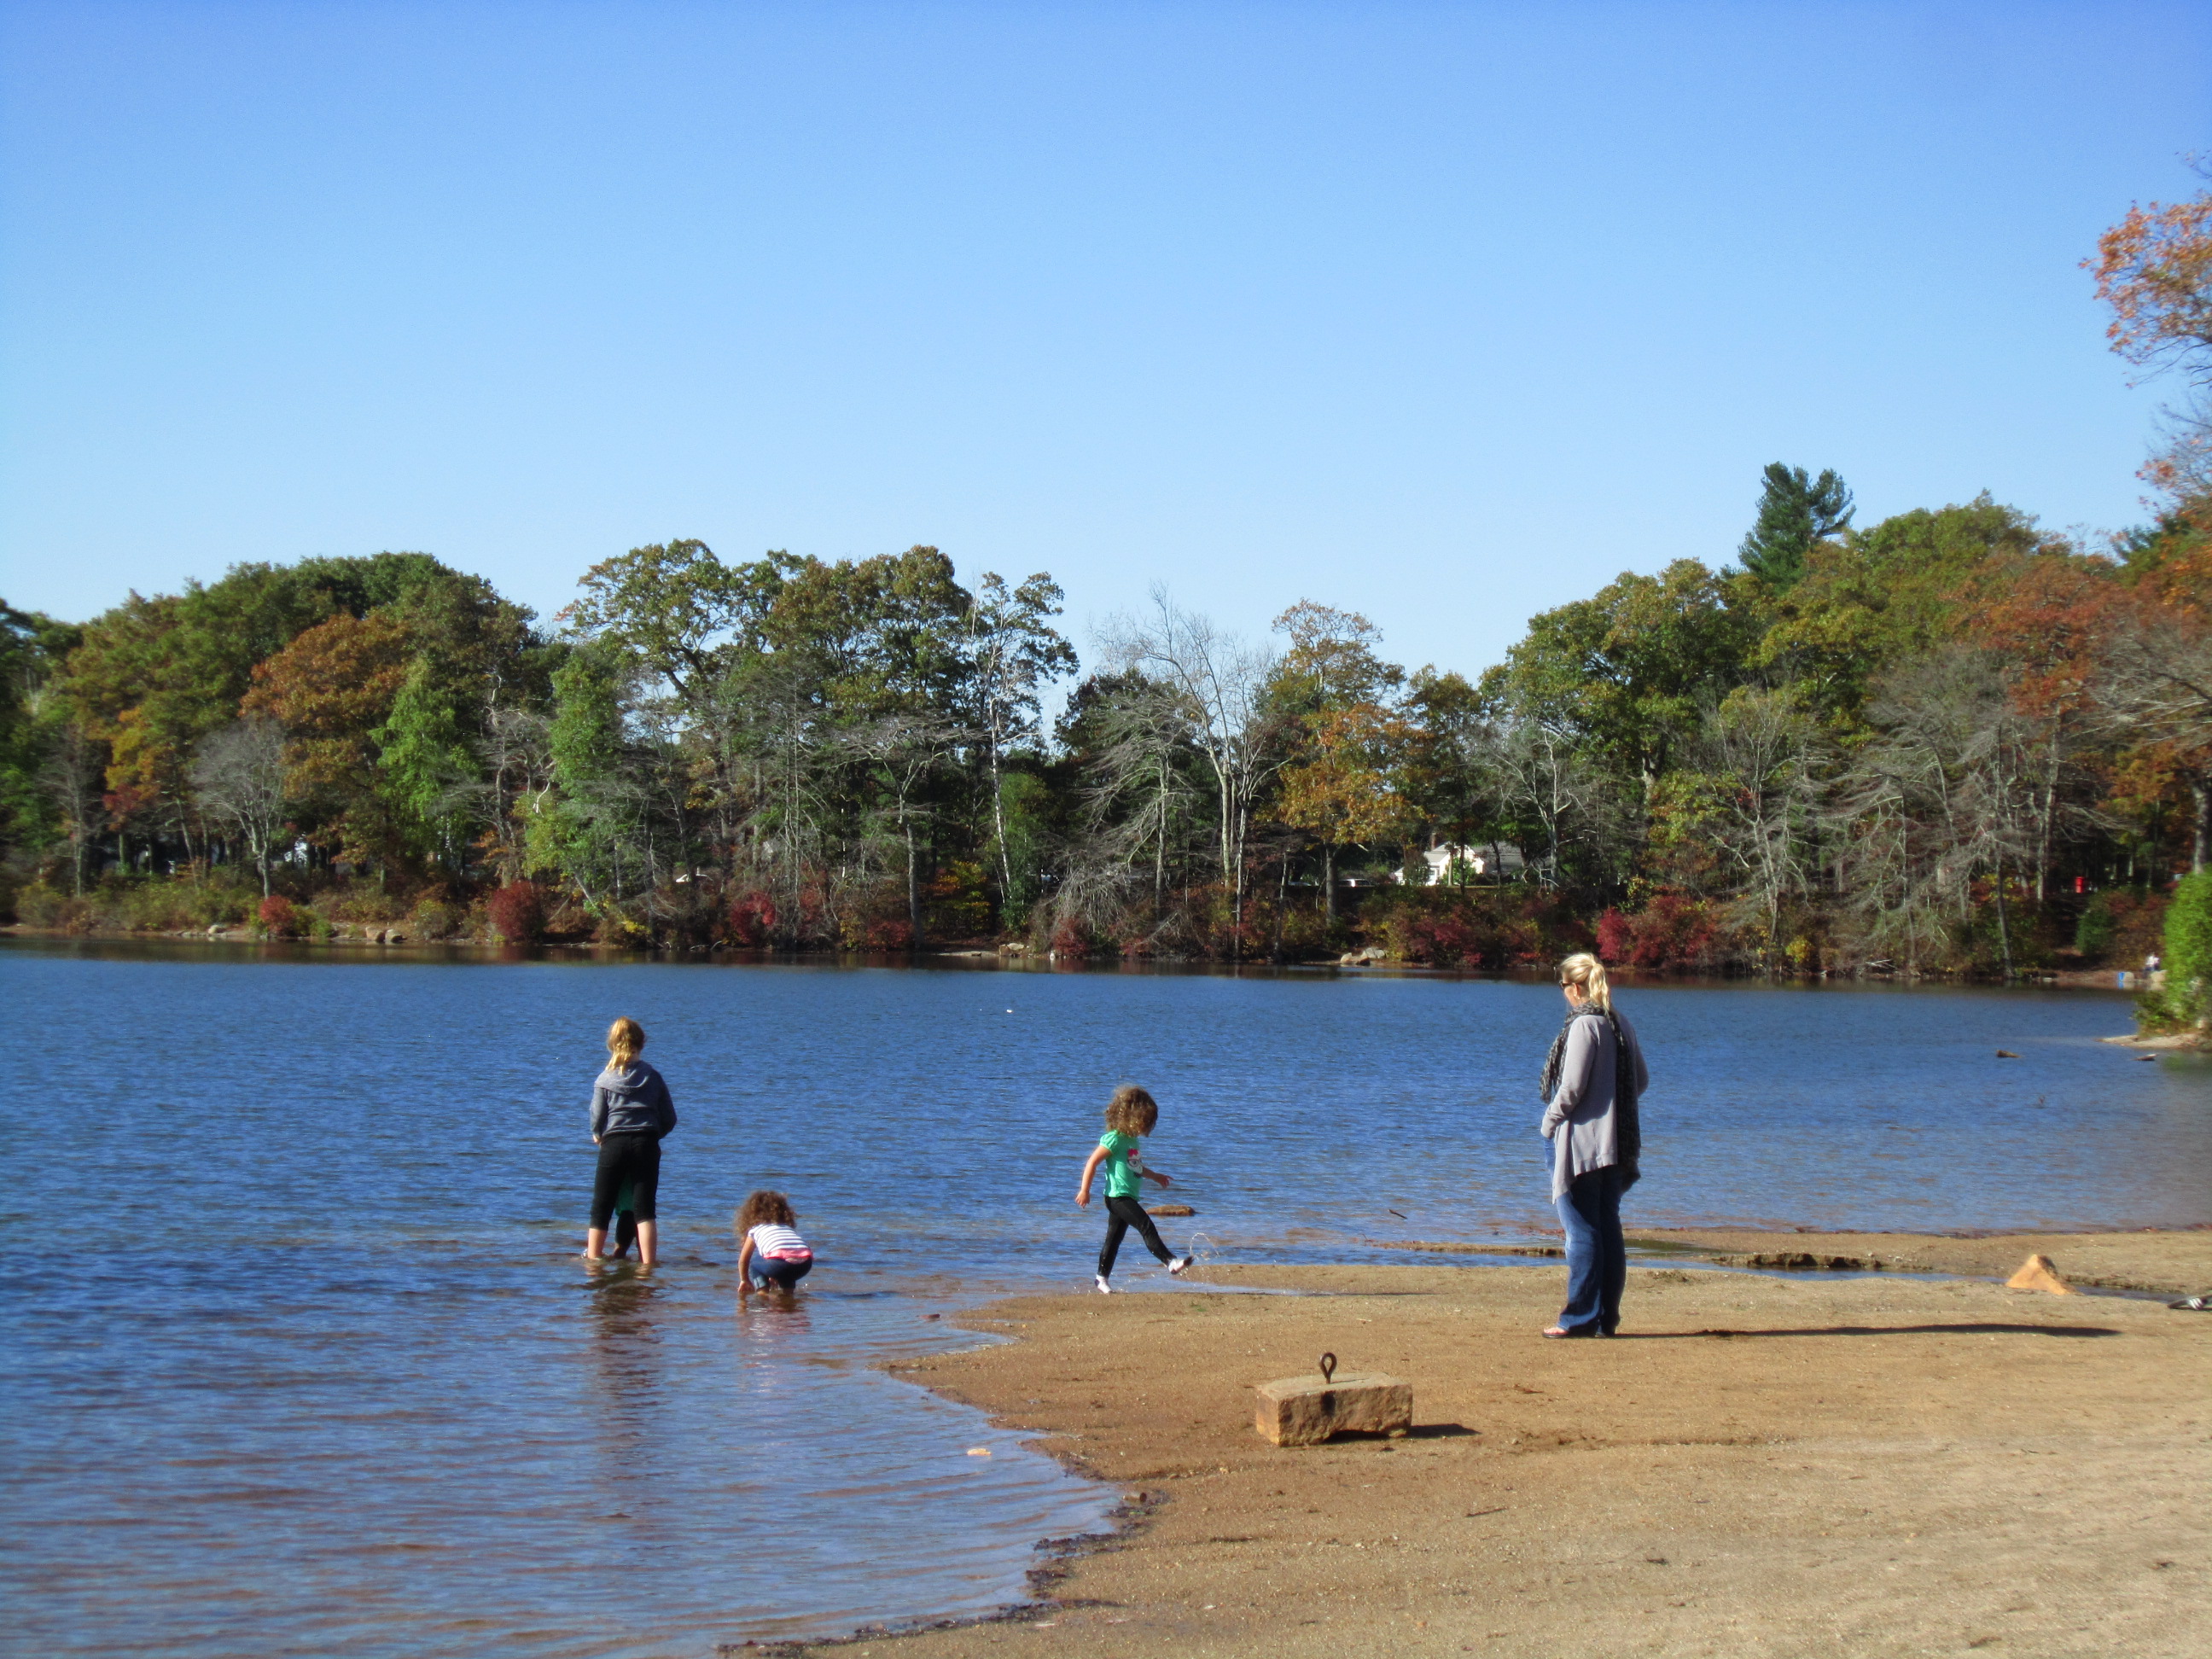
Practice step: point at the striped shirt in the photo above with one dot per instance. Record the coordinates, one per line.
(779, 1243)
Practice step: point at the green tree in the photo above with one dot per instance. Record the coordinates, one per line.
(672, 606)
(1796, 513)
(31, 648)
(579, 827)
(1626, 672)
(1013, 653)
(426, 764)
(2186, 1003)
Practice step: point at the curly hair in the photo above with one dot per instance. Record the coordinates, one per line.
(762, 1208)
(1132, 1111)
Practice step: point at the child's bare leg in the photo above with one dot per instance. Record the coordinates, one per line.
(648, 1242)
(595, 1242)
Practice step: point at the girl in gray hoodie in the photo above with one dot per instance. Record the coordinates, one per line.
(631, 1113)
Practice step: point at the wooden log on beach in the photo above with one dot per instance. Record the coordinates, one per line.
(1305, 1411)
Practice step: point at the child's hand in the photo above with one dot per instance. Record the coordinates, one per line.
(1084, 1197)
(1161, 1176)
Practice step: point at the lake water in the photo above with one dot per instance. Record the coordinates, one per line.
(300, 1359)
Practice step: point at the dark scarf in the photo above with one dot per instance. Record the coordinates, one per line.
(1628, 1128)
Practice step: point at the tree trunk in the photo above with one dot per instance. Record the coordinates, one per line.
(1160, 848)
(913, 881)
(2004, 927)
(1328, 883)
(2200, 790)
(1282, 898)
(999, 823)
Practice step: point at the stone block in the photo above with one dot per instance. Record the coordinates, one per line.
(1305, 1411)
(2036, 1273)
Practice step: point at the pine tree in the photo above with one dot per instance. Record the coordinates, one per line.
(1794, 512)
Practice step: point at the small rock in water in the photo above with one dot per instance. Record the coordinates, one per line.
(1172, 1209)
(979, 1451)
(2036, 1273)
(2006, 1053)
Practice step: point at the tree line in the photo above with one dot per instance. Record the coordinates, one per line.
(1948, 741)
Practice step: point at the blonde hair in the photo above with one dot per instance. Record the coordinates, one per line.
(625, 1042)
(765, 1207)
(1586, 970)
(1132, 1111)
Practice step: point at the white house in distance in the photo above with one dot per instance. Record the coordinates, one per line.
(1497, 860)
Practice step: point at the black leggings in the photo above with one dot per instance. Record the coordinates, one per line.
(632, 1160)
(1121, 1214)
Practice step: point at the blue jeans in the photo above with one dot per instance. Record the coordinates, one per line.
(770, 1274)
(1597, 1258)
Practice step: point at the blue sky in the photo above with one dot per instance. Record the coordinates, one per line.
(1446, 313)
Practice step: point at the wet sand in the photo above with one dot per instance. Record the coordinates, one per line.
(1760, 1465)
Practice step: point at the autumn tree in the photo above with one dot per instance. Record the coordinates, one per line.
(1344, 738)
(2154, 270)
(333, 689)
(1877, 596)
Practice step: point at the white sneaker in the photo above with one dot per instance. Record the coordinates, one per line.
(1176, 1266)
(1104, 1289)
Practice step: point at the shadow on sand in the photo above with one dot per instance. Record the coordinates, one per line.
(1983, 1328)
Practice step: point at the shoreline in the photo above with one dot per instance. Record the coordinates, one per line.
(381, 939)
(1920, 1464)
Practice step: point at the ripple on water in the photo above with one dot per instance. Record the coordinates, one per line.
(317, 1371)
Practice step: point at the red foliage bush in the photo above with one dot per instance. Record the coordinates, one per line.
(279, 917)
(888, 934)
(517, 912)
(752, 920)
(1490, 929)
(1441, 941)
(1071, 938)
(1673, 932)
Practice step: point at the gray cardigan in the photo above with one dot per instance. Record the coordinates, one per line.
(1583, 1104)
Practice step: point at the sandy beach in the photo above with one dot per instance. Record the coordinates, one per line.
(1759, 1465)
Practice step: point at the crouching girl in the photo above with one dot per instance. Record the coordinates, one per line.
(772, 1255)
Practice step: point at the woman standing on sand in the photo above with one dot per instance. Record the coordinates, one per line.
(631, 1115)
(1593, 1079)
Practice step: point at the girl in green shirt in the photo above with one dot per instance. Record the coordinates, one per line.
(1130, 1116)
